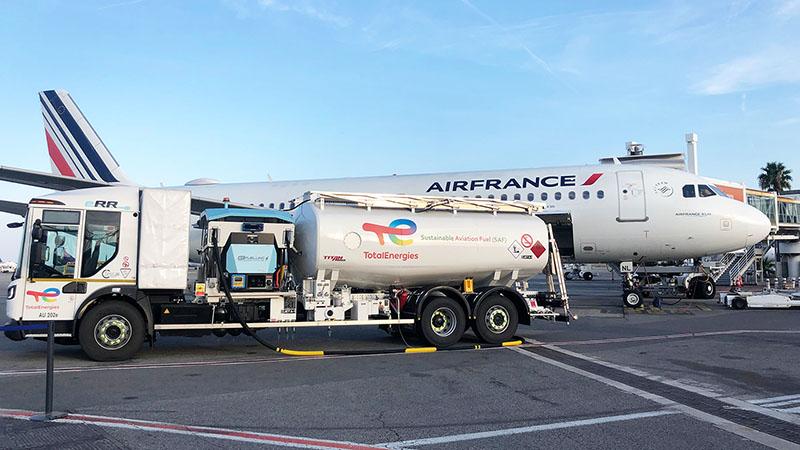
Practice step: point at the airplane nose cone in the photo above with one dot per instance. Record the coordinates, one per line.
(758, 226)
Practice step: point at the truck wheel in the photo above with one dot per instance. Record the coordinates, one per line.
(588, 276)
(632, 299)
(739, 303)
(496, 319)
(702, 289)
(443, 322)
(111, 331)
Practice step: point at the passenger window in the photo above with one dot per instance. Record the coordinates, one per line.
(60, 240)
(571, 195)
(544, 196)
(585, 195)
(490, 196)
(530, 197)
(504, 197)
(705, 191)
(517, 197)
(100, 241)
(282, 205)
(477, 196)
(601, 194)
(272, 206)
(688, 191)
(557, 196)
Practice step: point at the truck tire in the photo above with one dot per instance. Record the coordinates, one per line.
(443, 322)
(111, 331)
(702, 289)
(496, 319)
(588, 276)
(739, 303)
(632, 299)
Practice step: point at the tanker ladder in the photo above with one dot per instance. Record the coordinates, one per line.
(544, 304)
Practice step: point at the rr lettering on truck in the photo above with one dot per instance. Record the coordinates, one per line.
(398, 227)
(511, 183)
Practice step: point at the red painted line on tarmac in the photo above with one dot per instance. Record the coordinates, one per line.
(220, 433)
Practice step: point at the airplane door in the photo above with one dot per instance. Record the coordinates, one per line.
(632, 204)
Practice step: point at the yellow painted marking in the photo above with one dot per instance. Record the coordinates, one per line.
(421, 350)
(511, 343)
(286, 351)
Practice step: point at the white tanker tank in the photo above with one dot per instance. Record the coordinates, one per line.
(373, 241)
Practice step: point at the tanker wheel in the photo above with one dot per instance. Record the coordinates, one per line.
(443, 322)
(496, 319)
(111, 331)
(588, 276)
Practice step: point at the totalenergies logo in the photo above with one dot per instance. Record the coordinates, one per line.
(398, 227)
(48, 295)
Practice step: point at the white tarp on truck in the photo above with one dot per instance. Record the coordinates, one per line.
(164, 239)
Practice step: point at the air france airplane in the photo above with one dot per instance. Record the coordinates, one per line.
(606, 213)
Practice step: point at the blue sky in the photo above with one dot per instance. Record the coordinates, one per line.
(243, 90)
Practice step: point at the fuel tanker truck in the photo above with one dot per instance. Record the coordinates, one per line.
(110, 267)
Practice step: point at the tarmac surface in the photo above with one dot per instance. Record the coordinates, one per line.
(689, 375)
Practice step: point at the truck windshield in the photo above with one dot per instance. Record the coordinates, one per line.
(18, 272)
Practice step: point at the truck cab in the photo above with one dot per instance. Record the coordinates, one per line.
(71, 256)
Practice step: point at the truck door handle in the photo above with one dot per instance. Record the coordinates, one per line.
(74, 287)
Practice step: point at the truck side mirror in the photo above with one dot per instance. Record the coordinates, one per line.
(38, 250)
(36, 230)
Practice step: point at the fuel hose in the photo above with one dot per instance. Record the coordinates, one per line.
(223, 282)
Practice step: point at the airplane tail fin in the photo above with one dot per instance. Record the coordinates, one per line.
(75, 148)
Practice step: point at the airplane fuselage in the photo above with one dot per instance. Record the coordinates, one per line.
(619, 212)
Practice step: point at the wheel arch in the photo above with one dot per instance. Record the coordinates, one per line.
(128, 294)
(423, 296)
(516, 298)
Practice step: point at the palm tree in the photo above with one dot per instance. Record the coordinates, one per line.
(775, 177)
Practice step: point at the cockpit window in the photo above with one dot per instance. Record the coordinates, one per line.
(705, 191)
(718, 191)
(688, 191)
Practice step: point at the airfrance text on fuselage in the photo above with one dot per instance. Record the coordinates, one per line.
(511, 183)
(496, 183)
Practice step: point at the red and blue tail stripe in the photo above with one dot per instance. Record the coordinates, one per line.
(74, 147)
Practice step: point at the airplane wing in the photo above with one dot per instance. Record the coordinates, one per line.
(46, 180)
(16, 208)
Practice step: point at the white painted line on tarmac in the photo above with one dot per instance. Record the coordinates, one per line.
(199, 431)
(761, 401)
(777, 404)
(796, 409)
(741, 404)
(740, 430)
(658, 337)
(178, 365)
(529, 429)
